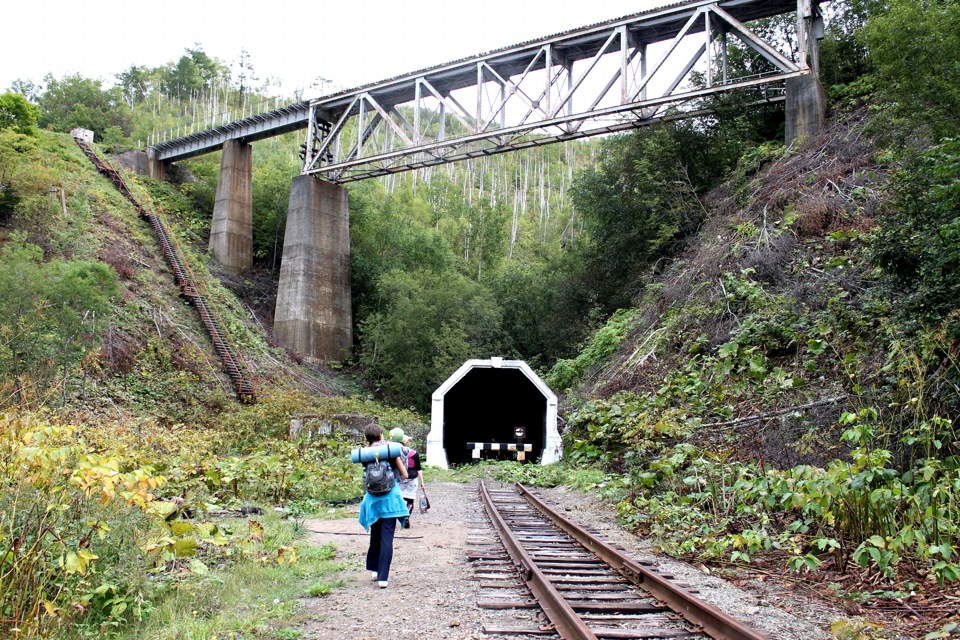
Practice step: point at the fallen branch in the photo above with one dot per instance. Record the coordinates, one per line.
(771, 414)
(726, 301)
(630, 361)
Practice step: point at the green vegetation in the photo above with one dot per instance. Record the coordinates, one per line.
(563, 473)
(75, 101)
(757, 346)
(912, 33)
(919, 244)
(50, 313)
(17, 114)
(785, 393)
(96, 541)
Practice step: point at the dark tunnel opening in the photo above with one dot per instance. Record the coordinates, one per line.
(485, 406)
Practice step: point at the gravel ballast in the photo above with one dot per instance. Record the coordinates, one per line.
(432, 592)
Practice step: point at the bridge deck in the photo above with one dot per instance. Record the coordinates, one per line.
(508, 68)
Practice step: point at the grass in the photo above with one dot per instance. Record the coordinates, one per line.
(561, 473)
(252, 599)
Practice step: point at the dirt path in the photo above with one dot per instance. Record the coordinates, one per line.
(432, 593)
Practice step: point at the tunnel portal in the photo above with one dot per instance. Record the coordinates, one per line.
(482, 404)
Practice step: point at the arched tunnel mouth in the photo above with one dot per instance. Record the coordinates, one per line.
(486, 406)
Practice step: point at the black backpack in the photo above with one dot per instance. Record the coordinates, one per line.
(378, 477)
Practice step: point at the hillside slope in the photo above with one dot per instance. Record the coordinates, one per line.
(772, 403)
(767, 307)
(153, 356)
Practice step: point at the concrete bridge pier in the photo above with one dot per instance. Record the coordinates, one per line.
(231, 232)
(313, 316)
(806, 108)
(806, 105)
(156, 168)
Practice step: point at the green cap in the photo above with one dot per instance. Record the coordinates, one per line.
(397, 435)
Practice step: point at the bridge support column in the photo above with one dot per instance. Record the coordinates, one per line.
(805, 109)
(313, 315)
(231, 233)
(155, 168)
(806, 99)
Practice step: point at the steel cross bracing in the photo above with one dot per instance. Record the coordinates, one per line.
(607, 77)
(590, 81)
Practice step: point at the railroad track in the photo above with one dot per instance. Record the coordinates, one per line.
(577, 586)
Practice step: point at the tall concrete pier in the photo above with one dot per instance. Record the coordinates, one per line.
(313, 315)
(231, 232)
(806, 105)
(806, 108)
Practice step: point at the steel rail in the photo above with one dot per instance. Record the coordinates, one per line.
(568, 624)
(714, 622)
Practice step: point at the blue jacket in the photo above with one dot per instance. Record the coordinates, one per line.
(389, 505)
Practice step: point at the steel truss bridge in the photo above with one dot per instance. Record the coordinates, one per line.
(612, 76)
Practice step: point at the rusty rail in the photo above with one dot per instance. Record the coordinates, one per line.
(190, 287)
(714, 622)
(704, 617)
(566, 621)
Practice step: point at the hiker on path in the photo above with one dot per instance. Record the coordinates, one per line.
(414, 479)
(379, 514)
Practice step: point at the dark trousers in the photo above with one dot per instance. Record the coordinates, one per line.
(380, 552)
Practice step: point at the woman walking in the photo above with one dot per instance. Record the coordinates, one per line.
(378, 515)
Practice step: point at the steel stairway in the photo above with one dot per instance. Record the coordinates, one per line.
(187, 284)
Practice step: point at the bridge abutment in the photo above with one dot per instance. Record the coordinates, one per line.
(231, 232)
(156, 169)
(313, 315)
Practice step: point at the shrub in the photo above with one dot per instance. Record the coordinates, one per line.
(68, 523)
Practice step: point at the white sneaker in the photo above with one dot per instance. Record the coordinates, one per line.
(373, 575)
(382, 584)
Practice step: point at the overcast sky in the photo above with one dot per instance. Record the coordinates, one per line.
(347, 42)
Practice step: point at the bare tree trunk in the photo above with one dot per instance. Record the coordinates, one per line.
(515, 224)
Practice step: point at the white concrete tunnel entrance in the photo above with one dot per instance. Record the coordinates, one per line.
(483, 402)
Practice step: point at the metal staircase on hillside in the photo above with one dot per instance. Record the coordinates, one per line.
(187, 284)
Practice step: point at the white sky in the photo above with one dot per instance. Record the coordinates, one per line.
(350, 42)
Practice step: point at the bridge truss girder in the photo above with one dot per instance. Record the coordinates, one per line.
(581, 83)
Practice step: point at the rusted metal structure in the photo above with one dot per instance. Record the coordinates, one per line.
(190, 287)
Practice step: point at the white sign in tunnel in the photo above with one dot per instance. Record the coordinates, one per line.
(481, 407)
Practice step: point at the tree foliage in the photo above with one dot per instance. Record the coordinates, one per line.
(914, 46)
(193, 72)
(637, 204)
(194, 75)
(918, 243)
(17, 114)
(273, 168)
(843, 54)
(384, 239)
(76, 101)
(427, 325)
